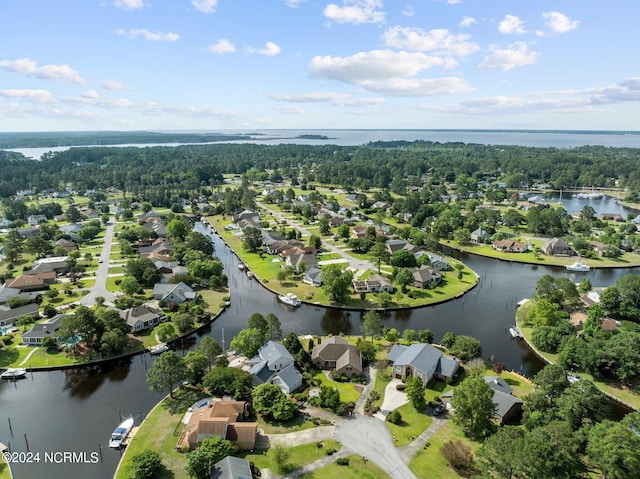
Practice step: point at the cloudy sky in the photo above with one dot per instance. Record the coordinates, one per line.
(244, 64)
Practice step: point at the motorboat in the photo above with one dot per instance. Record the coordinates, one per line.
(240, 266)
(120, 433)
(158, 349)
(250, 274)
(13, 373)
(579, 267)
(290, 299)
(515, 332)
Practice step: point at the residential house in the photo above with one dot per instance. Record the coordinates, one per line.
(479, 235)
(142, 317)
(249, 223)
(509, 246)
(359, 231)
(221, 419)
(231, 467)
(148, 215)
(274, 364)
(558, 247)
(6, 293)
(91, 213)
(29, 232)
(422, 360)
(280, 246)
(438, 262)
(336, 353)
(508, 406)
(30, 281)
(253, 216)
(71, 229)
(599, 247)
(39, 331)
(312, 276)
(376, 283)
(9, 315)
(298, 259)
(4, 223)
(381, 205)
(35, 220)
(424, 276)
(23, 193)
(68, 245)
(58, 264)
(612, 217)
(161, 246)
(394, 245)
(174, 293)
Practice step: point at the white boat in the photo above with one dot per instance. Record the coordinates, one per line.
(120, 433)
(158, 349)
(240, 266)
(578, 266)
(515, 332)
(290, 299)
(13, 373)
(250, 274)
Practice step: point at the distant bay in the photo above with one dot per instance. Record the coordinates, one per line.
(532, 138)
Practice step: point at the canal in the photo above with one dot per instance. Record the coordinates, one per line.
(76, 410)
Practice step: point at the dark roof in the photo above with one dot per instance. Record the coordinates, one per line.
(39, 330)
(9, 314)
(231, 468)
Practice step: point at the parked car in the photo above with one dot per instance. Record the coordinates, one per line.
(439, 409)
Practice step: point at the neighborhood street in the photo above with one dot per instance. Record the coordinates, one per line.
(100, 286)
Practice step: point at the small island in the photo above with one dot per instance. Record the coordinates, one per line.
(313, 137)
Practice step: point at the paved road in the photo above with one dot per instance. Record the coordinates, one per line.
(100, 286)
(355, 263)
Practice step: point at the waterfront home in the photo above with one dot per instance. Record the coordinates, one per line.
(297, 260)
(312, 276)
(558, 247)
(142, 317)
(39, 331)
(221, 419)
(612, 217)
(507, 405)
(274, 364)
(376, 283)
(9, 315)
(424, 276)
(336, 353)
(249, 215)
(509, 246)
(174, 293)
(435, 261)
(422, 360)
(479, 235)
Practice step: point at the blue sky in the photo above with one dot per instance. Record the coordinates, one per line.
(256, 64)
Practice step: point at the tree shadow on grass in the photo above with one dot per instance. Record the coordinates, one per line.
(8, 356)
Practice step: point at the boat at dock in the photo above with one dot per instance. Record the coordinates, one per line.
(158, 349)
(14, 373)
(515, 332)
(290, 299)
(120, 433)
(579, 267)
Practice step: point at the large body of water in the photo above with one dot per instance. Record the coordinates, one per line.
(76, 410)
(557, 139)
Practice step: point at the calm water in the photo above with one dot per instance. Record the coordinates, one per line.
(77, 410)
(558, 139)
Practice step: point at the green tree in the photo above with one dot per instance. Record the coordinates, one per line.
(274, 328)
(501, 455)
(404, 278)
(371, 324)
(402, 259)
(315, 241)
(380, 253)
(212, 450)
(410, 335)
(269, 400)
(226, 381)
(183, 322)
(582, 404)
(248, 341)
(129, 285)
(552, 381)
(336, 283)
(544, 313)
(426, 336)
(196, 365)
(165, 331)
(368, 351)
(113, 342)
(614, 449)
(474, 407)
(145, 464)
(466, 347)
(252, 239)
(210, 349)
(415, 390)
(448, 339)
(166, 372)
(177, 230)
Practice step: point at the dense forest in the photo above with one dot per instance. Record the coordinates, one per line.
(398, 165)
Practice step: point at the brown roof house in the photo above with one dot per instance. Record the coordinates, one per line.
(509, 246)
(336, 353)
(558, 247)
(30, 281)
(222, 419)
(375, 284)
(425, 276)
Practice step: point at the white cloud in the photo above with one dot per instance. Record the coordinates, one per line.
(289, 110)
(339, 99)
(408, 11)
(270, 49)
(355, 11)
(91, 94)
(26, 67)
(511, 25)
(454, 2)
(439, 41)
(559, 23)
(293, 3)
(467, 22)
(516, 55)
(205, 6)
(134, 33)
(129, 4)
(221, 47)
(36, 96)
(113, 85)
(388, 72)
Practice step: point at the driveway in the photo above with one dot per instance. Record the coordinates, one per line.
(100, 286)
(393, 399)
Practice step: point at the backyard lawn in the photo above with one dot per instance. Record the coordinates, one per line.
(357, 469)
(348, 392)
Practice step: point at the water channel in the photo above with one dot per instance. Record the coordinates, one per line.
(76, 410)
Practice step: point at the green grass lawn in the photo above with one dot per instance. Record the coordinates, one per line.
(298, 455)
(383, 377)
(348, 392)
(4, 471)
(357, 469)
(428, 463)
(412, 425)
(295, 424)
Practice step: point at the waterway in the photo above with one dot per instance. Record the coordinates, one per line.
(76, 410)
